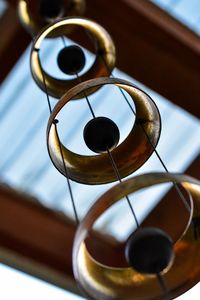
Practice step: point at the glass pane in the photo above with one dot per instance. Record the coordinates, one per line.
(18, 285)
(187, 12)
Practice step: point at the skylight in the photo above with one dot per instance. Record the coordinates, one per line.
(3, 6)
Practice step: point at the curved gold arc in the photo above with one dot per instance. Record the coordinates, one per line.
(102, 66)
(100, 281)
(28, 11)
(129, 155)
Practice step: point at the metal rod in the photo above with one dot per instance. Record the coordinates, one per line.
(159, 157)
(120, 180)
(67, 177)
(87, 99)
(63, 41)
(163, 286)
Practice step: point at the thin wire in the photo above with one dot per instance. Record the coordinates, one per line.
(64, 41)
(120, 180)
(158, 155)
(163, 286)
(60, 148)
(67, 178)
(87, 99)
(154, 148)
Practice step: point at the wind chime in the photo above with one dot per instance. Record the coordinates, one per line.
(163, 253)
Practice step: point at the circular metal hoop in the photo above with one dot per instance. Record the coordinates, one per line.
(129, 155)
(33, 22)
(100, 281)
(102, 66)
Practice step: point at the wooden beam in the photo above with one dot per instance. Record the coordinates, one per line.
(14, 40)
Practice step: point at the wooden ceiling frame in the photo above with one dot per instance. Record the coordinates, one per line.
(14, 40)
(153, 48)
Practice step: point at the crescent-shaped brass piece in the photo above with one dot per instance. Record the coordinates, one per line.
(102, 66)
(100, 281)
(129, 155)
(33, 22)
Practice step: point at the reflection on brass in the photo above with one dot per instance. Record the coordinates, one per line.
(100, 281)
(129, 155)
(102, 66)
(33, 22)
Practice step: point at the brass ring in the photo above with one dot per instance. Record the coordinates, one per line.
(100, 281)
(102, 66)
(129, 155)
(33, 22)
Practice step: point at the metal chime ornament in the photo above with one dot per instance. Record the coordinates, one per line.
(105, 56)
(162, 256)
(97, 169)
(34, 15)
(182, 270)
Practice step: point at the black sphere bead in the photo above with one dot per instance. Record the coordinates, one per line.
(101, 134)
(149, 250)
(51, 9)
(71, 60)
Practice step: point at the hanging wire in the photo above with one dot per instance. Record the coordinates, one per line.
(67, 176)
(183, 199)
(120, 180)
(63, 41)
(163, 287)
(60, 147)
(157, 154)
(87, 99)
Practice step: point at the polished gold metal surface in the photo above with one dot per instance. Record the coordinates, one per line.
(33, 22)
(100, 281)
(102, 66)
(129, 155)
